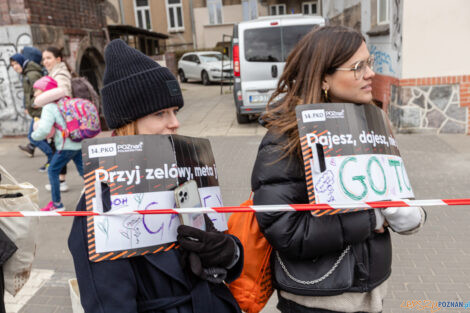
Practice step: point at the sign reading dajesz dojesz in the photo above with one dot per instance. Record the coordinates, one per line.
(141, 173)
(350, 154)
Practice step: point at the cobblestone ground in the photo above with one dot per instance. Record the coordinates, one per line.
(431, 265)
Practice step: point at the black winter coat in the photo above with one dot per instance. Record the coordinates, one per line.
(154, 283)
(299, 235)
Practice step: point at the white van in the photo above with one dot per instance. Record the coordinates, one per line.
(260, 49)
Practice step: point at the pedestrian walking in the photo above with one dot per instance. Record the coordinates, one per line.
(60, 71)
(66, 149)
(141, 97)
(30, 72)
(348, 255)
(35, 55)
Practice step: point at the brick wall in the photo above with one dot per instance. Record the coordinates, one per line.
(381, 85)
(12, 12)
(75, 14)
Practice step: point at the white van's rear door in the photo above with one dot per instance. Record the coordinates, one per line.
(260, 60)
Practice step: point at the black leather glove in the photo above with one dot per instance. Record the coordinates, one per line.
(214, 249)
(213, 275)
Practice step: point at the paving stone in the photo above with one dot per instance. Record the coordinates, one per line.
(39, 299)
(436, 278)
(435, 118)
(406, 96)
(456, 112)
(55, 291)
(60, 301)
(39, 309)
(420, 101)
(440, 95)
(411, 117)
(416, 92)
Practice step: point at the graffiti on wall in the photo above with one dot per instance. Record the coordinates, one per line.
(12, 118)
(397, 37)
(383, 61)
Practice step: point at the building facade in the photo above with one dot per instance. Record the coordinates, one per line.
(78, 26)
(199, 24)
(164, 17)
(214, 19)
(421, 60)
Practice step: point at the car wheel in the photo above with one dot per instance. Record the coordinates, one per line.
(183, 78)
(243, 119)
(205, 78)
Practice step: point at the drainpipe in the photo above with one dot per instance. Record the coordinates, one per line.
(122, 12)
(191, 10)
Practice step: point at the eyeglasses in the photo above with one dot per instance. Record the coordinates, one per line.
(359, 68)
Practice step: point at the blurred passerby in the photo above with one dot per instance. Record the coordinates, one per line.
(67, 150)
(59, 70)
(30, 72)
(35, 55)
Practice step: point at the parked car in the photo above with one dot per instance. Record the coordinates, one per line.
(260, 49)
(206, 66)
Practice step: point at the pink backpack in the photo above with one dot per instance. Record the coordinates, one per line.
(81, 119)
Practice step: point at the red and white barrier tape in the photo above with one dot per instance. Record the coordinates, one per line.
(331, 208)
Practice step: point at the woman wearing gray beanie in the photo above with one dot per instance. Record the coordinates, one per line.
(141, 97)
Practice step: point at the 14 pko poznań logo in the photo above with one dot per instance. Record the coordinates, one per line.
(112, 149)
(434, 306)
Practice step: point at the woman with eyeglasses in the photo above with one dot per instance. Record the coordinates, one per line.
(330, 64)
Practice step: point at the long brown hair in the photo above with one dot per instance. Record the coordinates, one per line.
(316, 55)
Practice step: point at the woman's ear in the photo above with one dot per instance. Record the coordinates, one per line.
(324, 84)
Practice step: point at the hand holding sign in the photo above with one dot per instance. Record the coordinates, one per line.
(350, 154)
(141, 173)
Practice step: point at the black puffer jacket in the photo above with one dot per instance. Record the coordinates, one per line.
(299, 235)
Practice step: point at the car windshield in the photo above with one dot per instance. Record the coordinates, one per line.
(213, 57)
(272, 44)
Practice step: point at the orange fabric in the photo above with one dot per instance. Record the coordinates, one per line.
(253, 288)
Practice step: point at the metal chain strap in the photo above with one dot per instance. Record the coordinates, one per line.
(316, 281)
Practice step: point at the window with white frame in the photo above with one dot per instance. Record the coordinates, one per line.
(277, 9)
(174, 9)
(310, 7)
(142, 14)
(383, 12)
(215, 11)
(250, 9)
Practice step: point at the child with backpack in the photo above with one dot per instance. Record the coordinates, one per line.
(67, 149)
